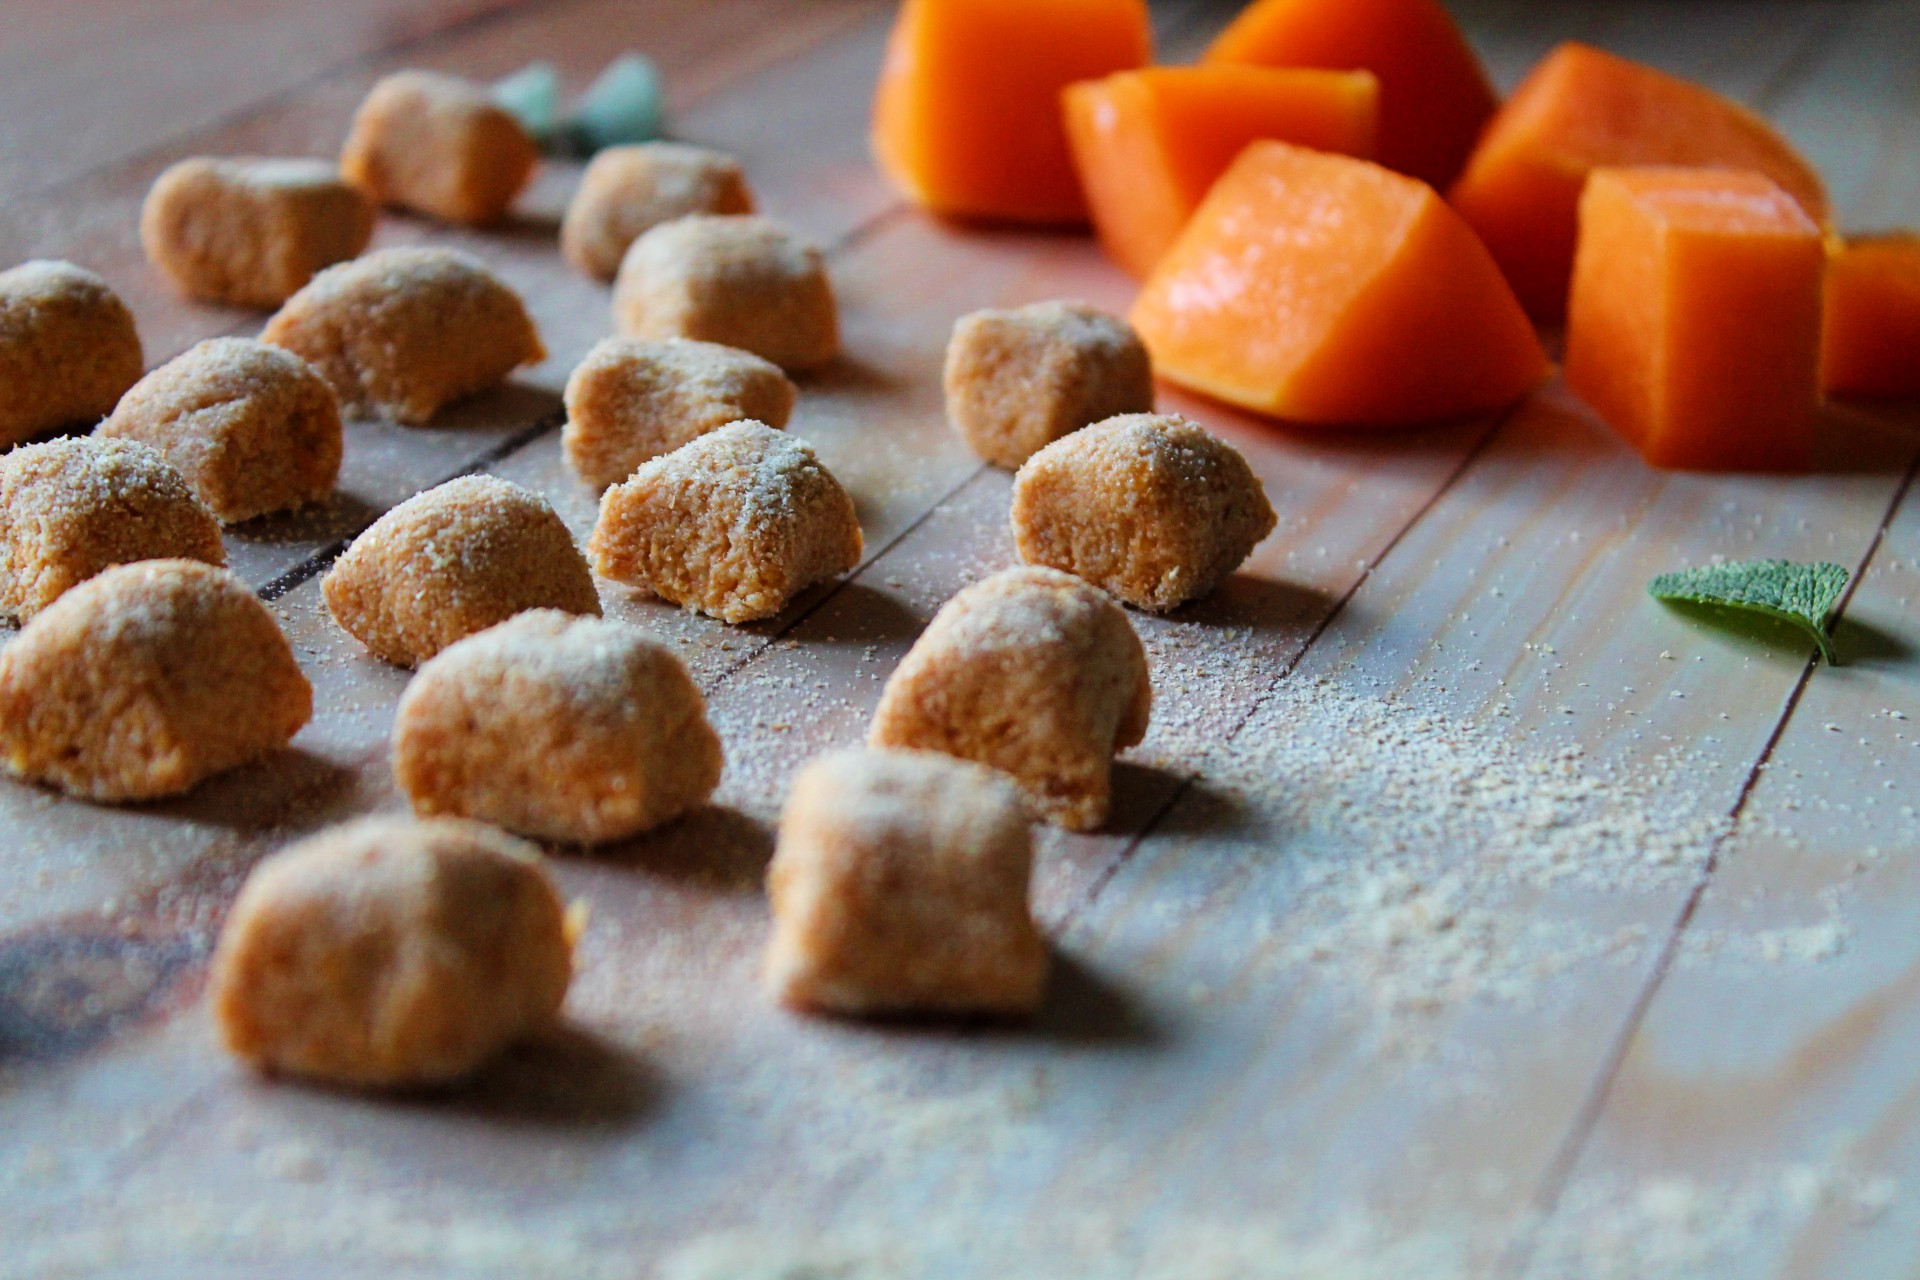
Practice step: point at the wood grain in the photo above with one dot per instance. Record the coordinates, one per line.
(1195, 1100)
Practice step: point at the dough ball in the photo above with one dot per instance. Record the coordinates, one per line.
(438, 145)
(250, 231)
(631, 400)
(404, 332)
(733, 525)
(1018, 380)
(566, 728)
(68, 349)
(71, 508)
(1155, 509)
(147, 680)
(392, 952)
(747, 282)
(629, 190)
(899, 885)
(252, 428)
(1033, 672)
(452, 561)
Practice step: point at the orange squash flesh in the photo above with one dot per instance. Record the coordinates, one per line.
(1582, 109)
(966, 119)
(1148, 144)
(1871, 341)
(1694, 327)
(1323, 289)
(1434, 95)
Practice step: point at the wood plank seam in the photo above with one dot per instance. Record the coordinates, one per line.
(1559, 1171)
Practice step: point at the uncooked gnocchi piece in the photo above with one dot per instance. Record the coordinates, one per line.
(454, 560)
(1033, 672)
(251, 231)
(631, 400)
(747, 282)
(404, 332)
(561, 727)
(70, 508)
(1018, 380)
(899, 885)
(252, 428)
(1155, 509)
(438, 145)
(147, 680)
(68, 349)
(391, 952)
(733, 525)
(629, 190)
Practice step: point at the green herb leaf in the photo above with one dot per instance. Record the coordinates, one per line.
(1802, 594)
(532, 96)
(622, 106)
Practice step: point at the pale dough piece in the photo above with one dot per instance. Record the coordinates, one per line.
(900, 885)
(147, 680)
(746, 282)
(1018, 380)
(392, 952)
(70, 508)
(1155, 509)
(452, 561)
(733, 525)
(404, 332)
(68, 349)
(252, 427)
(561, 727)
(627, 191)
(438, 145)
(1033, 672)
(251, 231)
(631, 400)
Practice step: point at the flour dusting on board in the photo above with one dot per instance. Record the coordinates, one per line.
(1431, 863)
(1662, 1227)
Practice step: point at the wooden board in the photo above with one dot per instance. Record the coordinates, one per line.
(1278, 1042)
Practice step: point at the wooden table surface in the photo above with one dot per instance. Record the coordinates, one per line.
(1609, 1065)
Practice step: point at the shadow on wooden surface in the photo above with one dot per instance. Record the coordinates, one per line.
(1247, 601)
(67, 987)
(512, 402)
(342, 515)
(260, 796)
(848, 373)
(568, 1077)
(714, 847)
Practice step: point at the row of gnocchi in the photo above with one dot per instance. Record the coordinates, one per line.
(901, 877)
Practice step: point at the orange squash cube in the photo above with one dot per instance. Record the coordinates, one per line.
(1324, 289)
(1434, 95)
(1694, 327)
(1582, 109)
(966, 120)
(1871, 342)
(1148, 144)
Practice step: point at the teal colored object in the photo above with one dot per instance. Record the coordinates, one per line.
(532, 96)
(622, 106)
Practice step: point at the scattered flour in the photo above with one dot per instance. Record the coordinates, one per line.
(1440, 863)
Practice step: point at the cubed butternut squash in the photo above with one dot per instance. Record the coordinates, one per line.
(1582, 109)
(1871, 342)
(1694, 326)
(1434, 95)
(966, 119)
(1148, 144)
(1323, 289)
